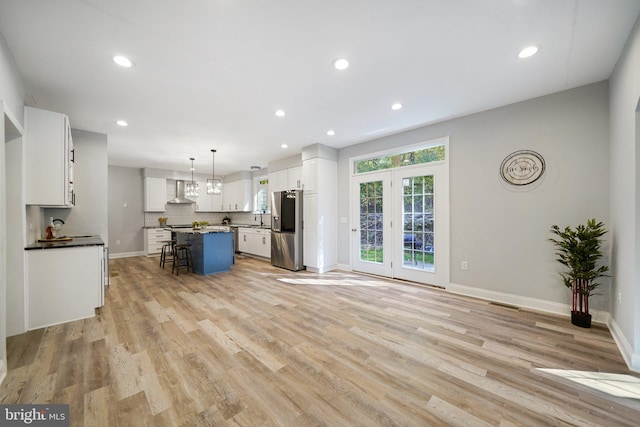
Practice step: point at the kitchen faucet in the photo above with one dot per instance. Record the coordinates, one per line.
(254, 217)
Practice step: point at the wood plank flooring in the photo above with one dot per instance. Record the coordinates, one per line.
(262, 346)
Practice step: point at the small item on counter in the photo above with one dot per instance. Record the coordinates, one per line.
(163, 221)
(51, 229)
(226, 220)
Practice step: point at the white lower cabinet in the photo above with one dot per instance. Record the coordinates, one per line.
(255, 241)
(154, 238)
(64, 284)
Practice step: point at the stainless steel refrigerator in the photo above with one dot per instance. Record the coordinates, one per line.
(286, 229)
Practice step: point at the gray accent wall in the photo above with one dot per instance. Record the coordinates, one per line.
(625, 198)
(500, 230)
(125, 222)
(89, 216)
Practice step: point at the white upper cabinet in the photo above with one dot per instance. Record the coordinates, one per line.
(294, 178)
(49, 158)
(209, 202)
(310, 175)
(238, 196)
(287, 179)
(155, 194)
(277, 181)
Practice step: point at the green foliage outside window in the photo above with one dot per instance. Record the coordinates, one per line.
(425, 155)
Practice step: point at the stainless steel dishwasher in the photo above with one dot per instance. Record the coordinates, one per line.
(234, 230)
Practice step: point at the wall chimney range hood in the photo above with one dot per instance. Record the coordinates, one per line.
(180, 197)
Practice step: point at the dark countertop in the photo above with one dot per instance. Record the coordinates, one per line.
(76, 242)
(206, 230)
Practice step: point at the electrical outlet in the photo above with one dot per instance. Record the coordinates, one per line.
(125, 205)
(619, 297)
(117, 242)
(464, 265)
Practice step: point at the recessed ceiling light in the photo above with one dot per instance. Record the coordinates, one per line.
(331, 132)
(122, 123)
(284, 146)
(340, 64)
(122, 61)
(528, 51)
(280, 113)
(396, 106)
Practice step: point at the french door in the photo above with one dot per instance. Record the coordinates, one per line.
(401, 223)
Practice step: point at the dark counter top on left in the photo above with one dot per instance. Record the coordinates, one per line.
(76, 242)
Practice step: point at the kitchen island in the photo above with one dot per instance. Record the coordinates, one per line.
(211, 248)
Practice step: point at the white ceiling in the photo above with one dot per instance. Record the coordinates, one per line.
(211, 73)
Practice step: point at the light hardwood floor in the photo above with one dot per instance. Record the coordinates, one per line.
(263, 346)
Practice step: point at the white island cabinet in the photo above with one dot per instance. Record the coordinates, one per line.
(64, 284)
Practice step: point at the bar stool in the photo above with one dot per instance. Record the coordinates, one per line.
(182, 258)
(167, 249)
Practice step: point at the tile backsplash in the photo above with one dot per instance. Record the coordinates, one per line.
(186, 214)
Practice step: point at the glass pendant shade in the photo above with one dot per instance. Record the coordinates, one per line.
(191, 188)
(214, 186)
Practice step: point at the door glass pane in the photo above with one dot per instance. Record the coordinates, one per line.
(417, 215)
(371, 222)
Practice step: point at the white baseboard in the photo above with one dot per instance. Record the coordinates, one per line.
(524, 302)
(344, 267)
(126, 254)
(631, 359)
(321, 270)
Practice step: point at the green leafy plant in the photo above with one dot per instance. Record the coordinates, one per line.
(579, 250)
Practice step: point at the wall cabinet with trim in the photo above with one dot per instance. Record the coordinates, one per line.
(208, 202)
(255, 241)
(238, 196)
(155, 194)
(154, 238)
(48, 159)
(287, 179)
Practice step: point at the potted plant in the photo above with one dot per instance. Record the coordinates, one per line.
(579, 250)
(163, 221)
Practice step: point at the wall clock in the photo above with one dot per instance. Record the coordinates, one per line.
(522, 167)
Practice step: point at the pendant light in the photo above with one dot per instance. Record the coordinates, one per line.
(213, 185)
(191, 188)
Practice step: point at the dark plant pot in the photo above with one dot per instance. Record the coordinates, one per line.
(581, 319)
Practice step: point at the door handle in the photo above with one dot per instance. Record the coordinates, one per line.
(354, 229)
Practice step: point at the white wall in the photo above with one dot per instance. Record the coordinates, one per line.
(15, 210)
(501, 232)
(12, 89)
(12, 94)
(625, 199)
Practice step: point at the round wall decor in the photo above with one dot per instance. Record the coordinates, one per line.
(522, 167)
